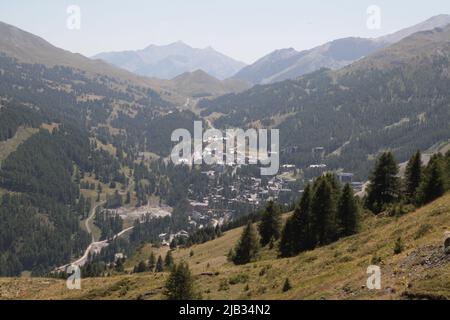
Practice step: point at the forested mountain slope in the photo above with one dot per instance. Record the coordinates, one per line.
(69, 111)
(395, 99)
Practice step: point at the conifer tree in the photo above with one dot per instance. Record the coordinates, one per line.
(398, 246)
(152, 261)
(141, 267)
(180, 284)
(334, 183)
(247, 247)
(159, 265)
(119, 265)
(297, 234)
(324, 213)
(433, 184)
(347, 213)
(447, 169)
(218, 231)
(303, 222)
(82, 206)
(270, 225)
(288, 239)
(173, 244)
(384, 187)
(168, 260)
(413, 176)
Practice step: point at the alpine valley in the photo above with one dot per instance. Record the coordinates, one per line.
(86, 178)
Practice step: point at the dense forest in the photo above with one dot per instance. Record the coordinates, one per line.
(328, 211)
(37, 234)
(40, 181)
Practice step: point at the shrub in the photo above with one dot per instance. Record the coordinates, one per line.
(287, 285)
(240, 278)
(398, 247)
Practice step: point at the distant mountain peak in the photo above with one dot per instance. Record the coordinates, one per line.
(169, 61)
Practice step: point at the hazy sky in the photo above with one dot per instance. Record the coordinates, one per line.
(242, 29)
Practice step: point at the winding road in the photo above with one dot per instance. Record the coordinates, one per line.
(95, 246)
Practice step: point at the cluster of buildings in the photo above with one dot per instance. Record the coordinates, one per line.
(244, 194)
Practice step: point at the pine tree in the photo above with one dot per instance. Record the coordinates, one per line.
(398, 246)
(447, 170)
(347, 213)
(288, 239)
(334, 183)
(180, 285)
(218, 231)
(297, 234)
(413, 176)
(152, 262)
(168, 260)
(433, 184)
(77, 176)
(141, 267)
(119, 265)
(159, 265)
(384, 187)
(324, 213)
(82, 206)
(270, 224)
(173, 244)
(247, 247)
(303, 222)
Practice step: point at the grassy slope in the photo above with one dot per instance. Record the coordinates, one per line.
(337, 271)
(9, 146)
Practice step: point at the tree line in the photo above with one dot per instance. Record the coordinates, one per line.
(328, 211)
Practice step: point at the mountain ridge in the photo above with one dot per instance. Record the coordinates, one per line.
(374, 104)
(26, 47)
(169, 61)
(334, 55)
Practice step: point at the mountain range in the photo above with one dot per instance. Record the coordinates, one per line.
(396, 98)
(289, 64)
(78, 134)
(28, 48)
(169, 61)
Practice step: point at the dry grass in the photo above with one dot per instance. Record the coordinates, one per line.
(337, 271)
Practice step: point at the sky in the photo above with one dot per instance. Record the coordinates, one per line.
(245, 30)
